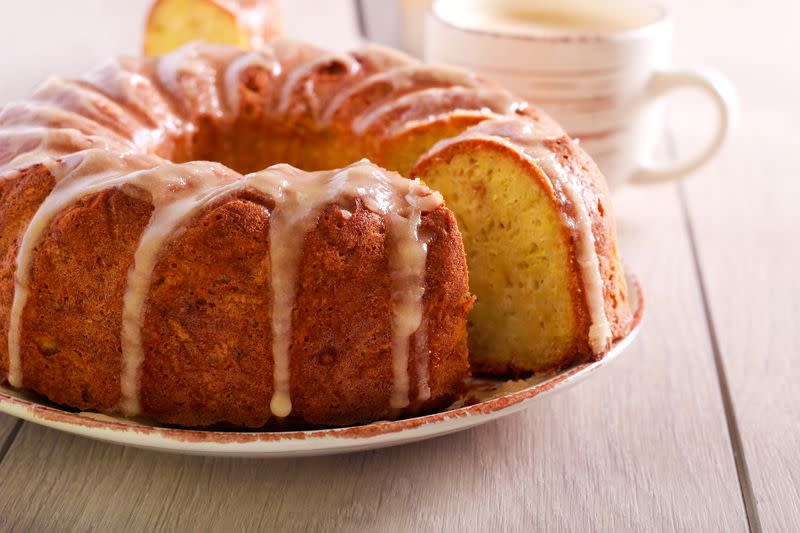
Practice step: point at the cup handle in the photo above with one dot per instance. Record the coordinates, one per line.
(722, 93)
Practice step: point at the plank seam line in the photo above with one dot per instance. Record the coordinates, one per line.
(360, 18)
(742, 470)
(10, 440)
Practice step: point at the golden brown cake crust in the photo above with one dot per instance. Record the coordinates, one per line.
(207, 330)
(70, 339)
(342, 340)
(208, 356)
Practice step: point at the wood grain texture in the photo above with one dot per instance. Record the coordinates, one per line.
(635, 448)
(745, 219)
(7, 424)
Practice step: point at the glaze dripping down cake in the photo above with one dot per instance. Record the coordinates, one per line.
(152, 268)
(144, 287)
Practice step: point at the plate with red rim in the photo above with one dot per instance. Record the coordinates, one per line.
(487, 400)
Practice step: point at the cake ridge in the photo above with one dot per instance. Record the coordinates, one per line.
(298, 201)
(400, 77)
(434, 102)
(76, 177)
(352, 67)
(174, 203)
(79, 98)
(196, 61)
(24, 146)
(105, 82)
(263, 57)
(47, 115)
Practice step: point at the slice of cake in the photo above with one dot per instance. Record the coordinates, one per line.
(248, 24)
(540, 241)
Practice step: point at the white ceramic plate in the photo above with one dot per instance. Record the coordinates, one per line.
(489, 400)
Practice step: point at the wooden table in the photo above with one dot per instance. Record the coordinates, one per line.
(696, 428)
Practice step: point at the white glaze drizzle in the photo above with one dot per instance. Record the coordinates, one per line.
(263, 58)
(407, 292)
(527, 138)
(299, 199)
(96, 106)
(600, 330)
(124, 85)
(290, 85)
(22, 146)
(422, 348)
(178, 192)
(398, 128)
(78, 175)
(401, 79)
(433, 101)
(28, 114)
(196, 61)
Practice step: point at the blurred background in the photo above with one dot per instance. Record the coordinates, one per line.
(739, 40)
(83, 33)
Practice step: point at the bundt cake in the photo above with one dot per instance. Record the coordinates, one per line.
(144, 274)
(247, 24)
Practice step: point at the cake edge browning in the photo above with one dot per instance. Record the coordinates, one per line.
(615, 286)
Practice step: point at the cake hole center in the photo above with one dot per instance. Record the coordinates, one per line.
(249, 145)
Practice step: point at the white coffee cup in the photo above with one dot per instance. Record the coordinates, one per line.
(599, 68)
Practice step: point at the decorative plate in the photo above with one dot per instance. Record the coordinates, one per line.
(486, 400)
